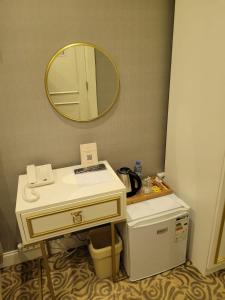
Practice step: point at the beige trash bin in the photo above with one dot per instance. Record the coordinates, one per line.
(100, 250)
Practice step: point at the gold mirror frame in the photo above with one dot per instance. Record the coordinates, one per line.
(115, 97)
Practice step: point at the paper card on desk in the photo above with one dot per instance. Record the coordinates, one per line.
(88, 153)
(93, 177)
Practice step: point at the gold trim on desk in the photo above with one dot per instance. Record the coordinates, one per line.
(97, 202)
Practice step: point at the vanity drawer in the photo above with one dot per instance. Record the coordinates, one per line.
(56, 221)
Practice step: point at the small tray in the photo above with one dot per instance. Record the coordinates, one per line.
(140, 196)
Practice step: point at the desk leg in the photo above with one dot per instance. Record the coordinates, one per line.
(113, 252)
(40, 278)
(45, 260)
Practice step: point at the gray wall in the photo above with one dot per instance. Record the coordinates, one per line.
(137, 34)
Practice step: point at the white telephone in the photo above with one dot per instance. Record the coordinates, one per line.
(37, 176)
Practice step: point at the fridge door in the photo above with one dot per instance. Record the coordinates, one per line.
(157, 247)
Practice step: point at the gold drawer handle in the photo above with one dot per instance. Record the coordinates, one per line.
(77, 216)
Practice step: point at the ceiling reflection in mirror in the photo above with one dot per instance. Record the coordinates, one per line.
(81, 82)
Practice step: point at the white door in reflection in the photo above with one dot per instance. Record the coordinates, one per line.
(72, 83)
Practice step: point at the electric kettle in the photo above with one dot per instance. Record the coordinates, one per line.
(130, 179)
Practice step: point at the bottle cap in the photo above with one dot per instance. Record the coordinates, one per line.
(138, 162)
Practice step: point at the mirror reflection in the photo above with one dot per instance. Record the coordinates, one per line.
(81, 82)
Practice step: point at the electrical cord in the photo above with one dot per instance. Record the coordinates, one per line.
(77, 235)
(64, 254)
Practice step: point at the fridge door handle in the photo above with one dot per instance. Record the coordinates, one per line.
(163, 230)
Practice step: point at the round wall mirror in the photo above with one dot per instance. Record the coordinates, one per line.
(81, 82)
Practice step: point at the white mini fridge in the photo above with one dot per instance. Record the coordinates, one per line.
(155, 236)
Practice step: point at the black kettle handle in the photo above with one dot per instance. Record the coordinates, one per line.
(134, 177)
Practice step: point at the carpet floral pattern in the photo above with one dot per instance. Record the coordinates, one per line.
(74, 278)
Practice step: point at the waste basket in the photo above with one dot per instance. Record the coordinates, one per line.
(100, 250)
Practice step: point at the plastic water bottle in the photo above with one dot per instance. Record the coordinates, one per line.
(138, 168)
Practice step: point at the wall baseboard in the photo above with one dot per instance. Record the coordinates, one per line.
(16, 257)
(214, 269)
(61, 244)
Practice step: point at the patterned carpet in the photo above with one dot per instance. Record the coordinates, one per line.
(74, 278)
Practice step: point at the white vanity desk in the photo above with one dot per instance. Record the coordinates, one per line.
(71, 203)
